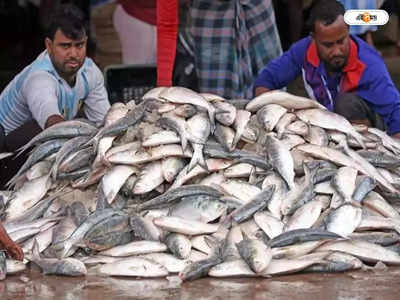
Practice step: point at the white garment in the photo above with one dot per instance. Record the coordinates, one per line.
(138, 39)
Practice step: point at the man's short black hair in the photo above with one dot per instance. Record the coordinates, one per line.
(325, 11)
(70, 20)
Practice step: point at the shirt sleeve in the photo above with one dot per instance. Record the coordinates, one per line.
(378, 89)
(281, 71)
(40, 92)
(96, 103)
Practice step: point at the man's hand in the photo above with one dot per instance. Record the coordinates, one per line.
(15, 251)
(260, 90)
(396, 135)
(53, 119)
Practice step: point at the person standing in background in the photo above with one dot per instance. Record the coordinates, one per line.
(136, 25)
(233, 41)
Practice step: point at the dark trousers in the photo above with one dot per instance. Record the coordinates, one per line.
(10, 143)
(353, 107)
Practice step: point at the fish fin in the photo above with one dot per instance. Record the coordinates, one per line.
(211, 115)
(197, 159)
(236, 139)
(35, 250)
(184, 142)
(397, 228)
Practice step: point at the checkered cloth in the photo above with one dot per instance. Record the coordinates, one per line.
(359, 4)
(233, 41)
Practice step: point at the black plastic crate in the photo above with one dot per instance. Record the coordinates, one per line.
(129, 82)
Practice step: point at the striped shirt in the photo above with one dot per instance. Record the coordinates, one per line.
(39, 92)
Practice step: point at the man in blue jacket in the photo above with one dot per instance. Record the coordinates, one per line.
(339, 70)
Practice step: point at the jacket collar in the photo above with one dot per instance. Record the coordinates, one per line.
(352, 62)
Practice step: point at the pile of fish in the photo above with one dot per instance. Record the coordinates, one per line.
(196, 185)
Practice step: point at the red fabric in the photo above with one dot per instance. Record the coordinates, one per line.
(144, 10)
(167, 32)
(352, 71)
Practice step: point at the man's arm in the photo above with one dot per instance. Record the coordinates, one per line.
(281, 71)
(41, 98)
(54, 119)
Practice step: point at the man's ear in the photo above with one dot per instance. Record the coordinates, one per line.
(48, 43)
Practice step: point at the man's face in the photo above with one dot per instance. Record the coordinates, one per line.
(333, 43)
(67, 55)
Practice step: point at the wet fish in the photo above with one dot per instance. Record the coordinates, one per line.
(280, 159)
(329, 120)
(228, 116)
(269, 116)
(66, 129)
(3, 265)
(367, 252)
(64, 247)
(284, 99)
(298, 128)
(179, 245)
(39, 153)
(66, 266)
(271, 225)
(15, 266)
(283, 122)
(185, 110)
(144, 228)
(380, 159)
(30, 194)
(317, 136)
(188, 227)
(113, 180)
(149, 178)
(225, 136)
(257, 203)
(134, 267)
(344, 219)
(256, 254)
(344, 182)
(170, 262)
(198, 208)
(175, 194)
(301, 235)
(135, 248)
(241, 120)
(130, 119)
(305, 216)
(232, 268)
(199, 127)
(377, 203)
(336, 262)
(186, 96)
